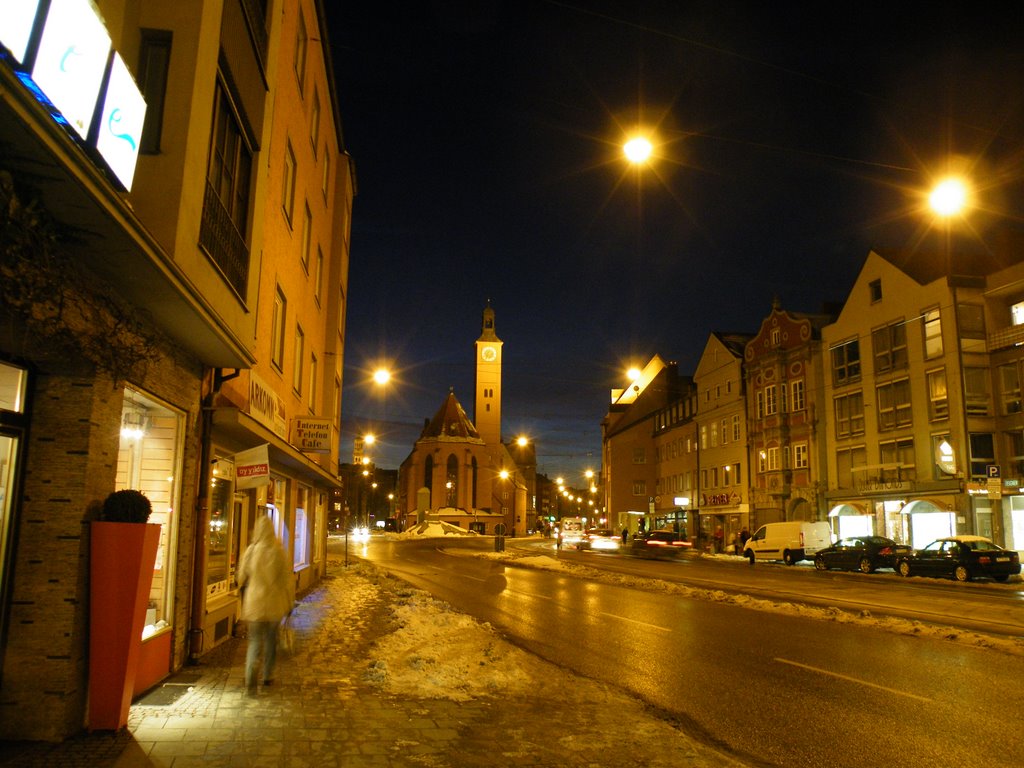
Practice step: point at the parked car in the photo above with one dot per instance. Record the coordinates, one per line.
(789, 542)
(659, 544)
(963, 558)
(862, 553)
(600, 539)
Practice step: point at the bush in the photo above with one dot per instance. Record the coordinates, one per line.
(126, 506)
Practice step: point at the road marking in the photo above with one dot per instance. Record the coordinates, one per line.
(855, 680)
(634, 621)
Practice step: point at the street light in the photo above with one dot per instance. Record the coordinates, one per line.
(638, 150)
(949, 197)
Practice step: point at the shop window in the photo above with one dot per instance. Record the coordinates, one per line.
(149, 460)
(301, 553)
(219, 570)
(13, 385)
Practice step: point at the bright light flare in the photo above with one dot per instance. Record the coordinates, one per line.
(633, 374)
(949, 197)
(381, 376)
(638, 150)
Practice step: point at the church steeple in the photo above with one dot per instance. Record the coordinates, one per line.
(487, 411)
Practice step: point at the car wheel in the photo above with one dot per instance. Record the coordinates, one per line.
(819, 563)
(787, 558)
(1001, 577)
(865, 565)
(962, 573)
(903, 568)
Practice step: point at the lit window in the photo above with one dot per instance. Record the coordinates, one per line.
(277, 330)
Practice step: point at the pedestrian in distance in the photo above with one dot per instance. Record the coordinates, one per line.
(268, 594)
(719, 540)
(625, 535)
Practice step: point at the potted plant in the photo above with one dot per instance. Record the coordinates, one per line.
(123, 549)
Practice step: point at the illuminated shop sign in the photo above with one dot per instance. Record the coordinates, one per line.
(16, 26)
(71, 61)
(120, 129)
(75, 73)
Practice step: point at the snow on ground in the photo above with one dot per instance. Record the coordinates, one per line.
(432, 529)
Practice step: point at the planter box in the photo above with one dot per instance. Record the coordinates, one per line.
(122, 556)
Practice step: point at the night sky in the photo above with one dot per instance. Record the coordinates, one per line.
(487, 143)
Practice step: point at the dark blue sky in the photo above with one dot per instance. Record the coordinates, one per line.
(486, 138)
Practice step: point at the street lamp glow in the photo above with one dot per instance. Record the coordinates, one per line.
(633, 374)
(522, 441)
(382, 376)
(503, 474)
(949, 197)
(638, 150)
(369, 438)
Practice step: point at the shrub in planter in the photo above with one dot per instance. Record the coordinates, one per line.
(128, 506)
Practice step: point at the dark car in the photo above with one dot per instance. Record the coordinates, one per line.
(861, 553)
(963, 558)
(659, 544)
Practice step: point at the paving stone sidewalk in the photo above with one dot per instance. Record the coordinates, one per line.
(331, 705)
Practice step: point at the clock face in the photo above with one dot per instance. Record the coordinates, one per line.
(489, 354)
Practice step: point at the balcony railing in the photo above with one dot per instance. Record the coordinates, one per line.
(223, 242)
(1007, 337)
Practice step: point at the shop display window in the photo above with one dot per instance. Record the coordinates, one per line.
(149, 460)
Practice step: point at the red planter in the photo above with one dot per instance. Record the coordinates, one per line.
(122, 556)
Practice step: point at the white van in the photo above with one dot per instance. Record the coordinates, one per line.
(789, 542)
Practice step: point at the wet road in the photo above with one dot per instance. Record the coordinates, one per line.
(769, 688)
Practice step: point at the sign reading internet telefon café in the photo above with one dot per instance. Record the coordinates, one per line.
(311, 434)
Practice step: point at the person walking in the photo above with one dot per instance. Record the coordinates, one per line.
(268, 593)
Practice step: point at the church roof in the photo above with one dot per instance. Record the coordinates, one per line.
(450, 421)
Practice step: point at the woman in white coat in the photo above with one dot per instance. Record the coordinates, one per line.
(268, 593)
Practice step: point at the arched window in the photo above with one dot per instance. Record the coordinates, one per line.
(428, 473)
(472, 480)
(451, 482)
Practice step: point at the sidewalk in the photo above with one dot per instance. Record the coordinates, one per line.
(343, 699)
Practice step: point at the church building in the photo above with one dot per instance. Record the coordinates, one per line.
(459, 471)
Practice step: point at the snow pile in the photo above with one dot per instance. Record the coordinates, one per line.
(437, 652)
(433, 529)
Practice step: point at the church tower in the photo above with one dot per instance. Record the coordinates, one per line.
(487, 412)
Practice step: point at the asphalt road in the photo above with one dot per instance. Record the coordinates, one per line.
(769, 688)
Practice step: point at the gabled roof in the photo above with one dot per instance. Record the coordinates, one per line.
(450, 421)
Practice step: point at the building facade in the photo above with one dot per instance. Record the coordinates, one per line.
(923, 403)
(724, 477)
(131, 297)
(786, 424)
